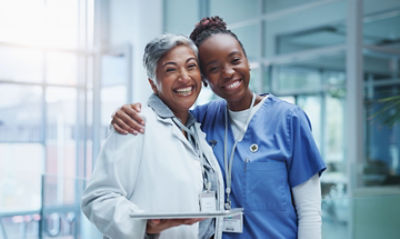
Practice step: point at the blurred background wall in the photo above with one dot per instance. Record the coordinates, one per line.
(67, 65)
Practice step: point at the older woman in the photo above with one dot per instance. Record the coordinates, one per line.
(168, 168)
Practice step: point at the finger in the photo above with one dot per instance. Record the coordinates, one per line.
(134, 114)
(118, 129)
(125, 122)
(192, 221)
(154, 221)
(137, 107)
(121, 124)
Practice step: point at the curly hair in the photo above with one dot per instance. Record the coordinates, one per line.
(209, 26)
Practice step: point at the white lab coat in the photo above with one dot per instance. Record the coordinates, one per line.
(154, 172)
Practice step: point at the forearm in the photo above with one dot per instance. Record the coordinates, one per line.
(307, 197)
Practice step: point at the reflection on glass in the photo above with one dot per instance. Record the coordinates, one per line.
(21, 64)
(20, 113)
(20, 168)
(61, 135)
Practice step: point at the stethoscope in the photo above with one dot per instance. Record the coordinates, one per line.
(228, 164)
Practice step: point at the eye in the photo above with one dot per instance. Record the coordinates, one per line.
(213, 69)
(170, 69)
(192, 66)
(236, 60)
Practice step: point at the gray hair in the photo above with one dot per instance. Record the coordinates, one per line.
(159, 46)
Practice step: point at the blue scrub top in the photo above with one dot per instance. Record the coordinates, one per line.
(261, 181)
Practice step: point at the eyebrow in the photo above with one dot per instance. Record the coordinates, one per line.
(174, 63)
(234, 53)
(229, 55)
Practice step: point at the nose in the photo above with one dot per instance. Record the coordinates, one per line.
(227, 72)
(184, 76)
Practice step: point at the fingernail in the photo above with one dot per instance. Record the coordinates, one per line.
(134, 132)
(141, 131)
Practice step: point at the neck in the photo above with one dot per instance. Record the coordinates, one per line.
(182, 116)
(242, 103)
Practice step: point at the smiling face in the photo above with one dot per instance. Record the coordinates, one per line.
(178, 79)
(227, 70)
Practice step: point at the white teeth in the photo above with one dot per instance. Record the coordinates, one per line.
(184, 91)
(233, 85)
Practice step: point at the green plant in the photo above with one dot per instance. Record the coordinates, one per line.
(389, 110)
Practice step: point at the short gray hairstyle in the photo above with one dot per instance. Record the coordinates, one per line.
(159, 46)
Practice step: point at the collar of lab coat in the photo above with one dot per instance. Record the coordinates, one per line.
(165, 115)
(163, 111)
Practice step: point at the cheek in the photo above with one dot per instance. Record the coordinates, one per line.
(196, 76)
(213, 82)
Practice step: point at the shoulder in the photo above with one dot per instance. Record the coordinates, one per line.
(211, 109)
(285, 108)
(117, 141)
(281, 105)
(274, 108)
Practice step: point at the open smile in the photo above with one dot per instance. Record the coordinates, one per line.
(186, 91)
(232, 85)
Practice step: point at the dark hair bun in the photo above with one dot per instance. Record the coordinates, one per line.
(214, 24)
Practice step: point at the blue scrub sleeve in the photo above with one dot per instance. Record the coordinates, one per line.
(306, 160)
(200, 112)
(196, 112)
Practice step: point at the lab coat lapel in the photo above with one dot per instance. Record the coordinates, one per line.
(176, 132)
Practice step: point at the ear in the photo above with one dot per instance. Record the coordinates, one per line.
(153, 86)
(204, 80)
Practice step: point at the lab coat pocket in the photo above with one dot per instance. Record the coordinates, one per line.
(265, 185)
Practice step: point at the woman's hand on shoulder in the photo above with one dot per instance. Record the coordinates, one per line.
(127, 119)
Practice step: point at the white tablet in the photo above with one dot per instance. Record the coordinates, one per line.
(177, 215)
